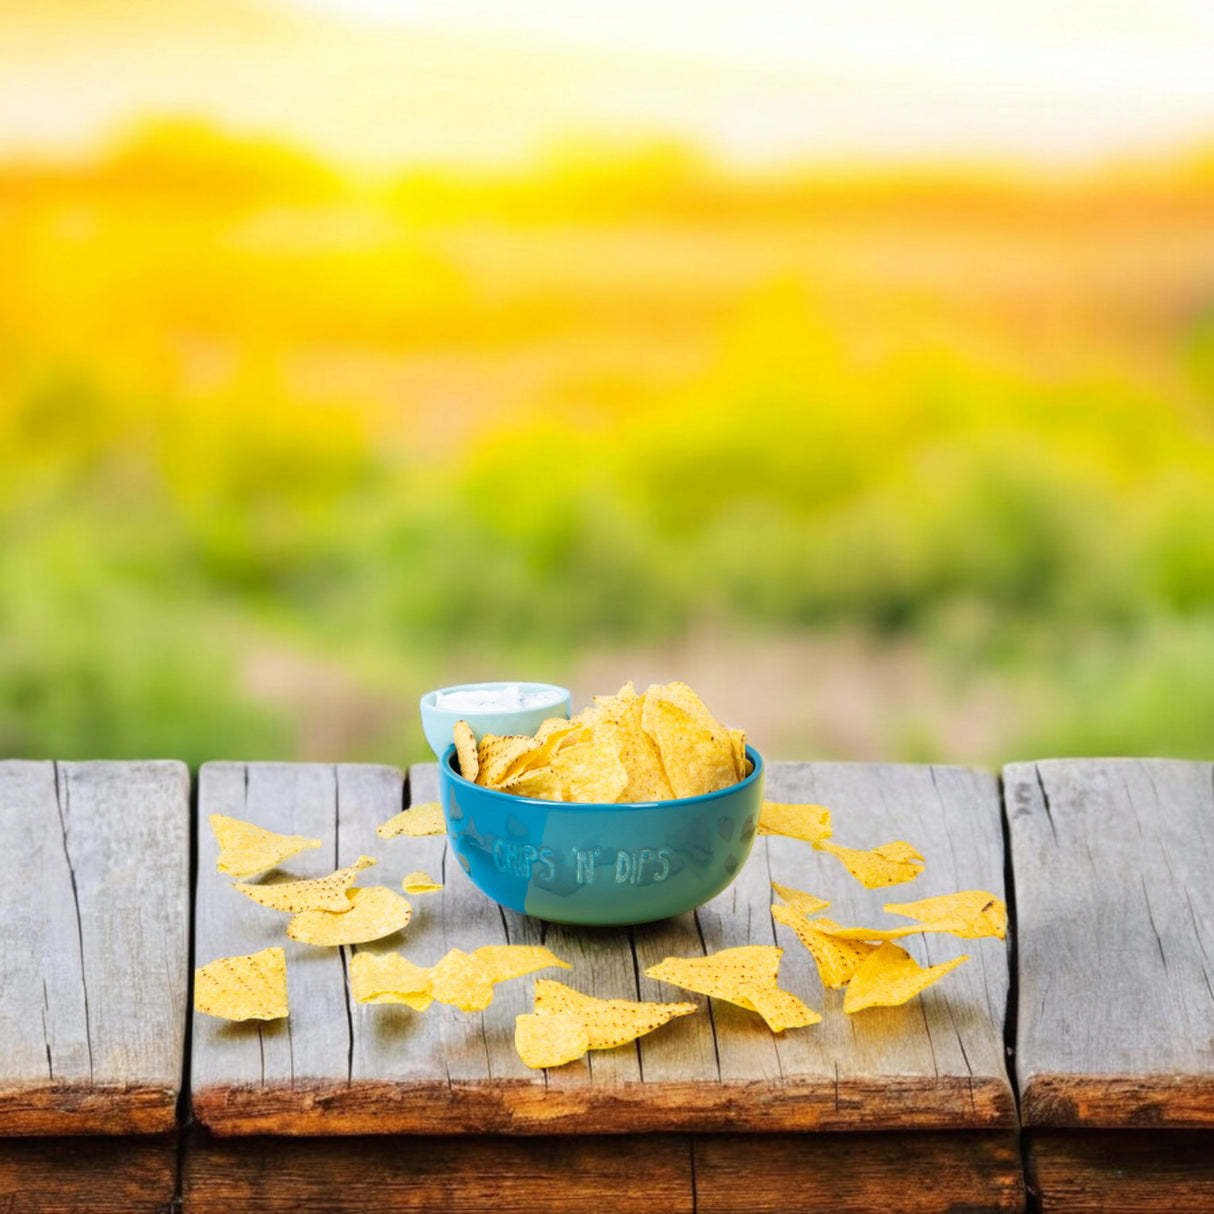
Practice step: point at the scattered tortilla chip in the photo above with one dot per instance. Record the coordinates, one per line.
(971, 914)
(465, 750)
(243, 988)
(245, 849)
(319, 893)
(805, 904)
(389, 978)
(505, 961)
(551, 1040)
(609, 1022)
(808, 822)
(734, 974)
(889, 864)
(837, 959)
(890, 976)
(426, 819)
(374, 912)
(466, 980)
(419, 882)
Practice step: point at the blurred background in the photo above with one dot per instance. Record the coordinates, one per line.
(853, 363)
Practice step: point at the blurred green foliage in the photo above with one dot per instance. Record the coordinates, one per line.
(1050, 527)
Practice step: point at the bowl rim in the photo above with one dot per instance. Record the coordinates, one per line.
(448, 771)
(427, 703)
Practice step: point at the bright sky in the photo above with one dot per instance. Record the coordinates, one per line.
(380, 82)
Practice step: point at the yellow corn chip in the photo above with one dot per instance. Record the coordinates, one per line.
(736, 974)
(554, 725)
(460, 981)
(374, 912)
(424, 819)
(737, 743)
(697, 760)
(320, 893)
(837, 959)
(419, 882)
(971, 914)
(780, 1008)
(245, 849)
(243, 988)
(553, 1040)
(609, 1022)
(889, 864)
(465, 750)
(592, 772)
(539, 784)
(389, 978)
(805, 904)
(466, 980)
(498, 754)
(808, 822)
(890, 976)
(502, 962)
(640, 757)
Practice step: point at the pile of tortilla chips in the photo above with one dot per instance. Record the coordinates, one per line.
(656, 746)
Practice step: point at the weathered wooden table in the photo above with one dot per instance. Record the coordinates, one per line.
(1109, 1012)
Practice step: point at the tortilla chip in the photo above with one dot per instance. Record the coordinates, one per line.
(465, 750)
(244, 988)
(890, 976)
(609, 1022)
(426, 819)
(245, 849)
(389, 978)
(538, 784)
(319, 893)
(592, 772)
(837, 959)
(735, 974)
(971, 914)
(505, 961)
(803, 903)
(641, 758)
(419, 882)
(466, 980)
(497, 755)
(808, 822)
(737, 743)
(697, 760)
(889, 864)
(552, 1040)
(375, 912)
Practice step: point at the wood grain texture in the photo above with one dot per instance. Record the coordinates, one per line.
(98, 1175)
(936, 1063)
(94, 898)
(1096, 1171)
(908, 1172)
(471, 1175)
(1115, 912)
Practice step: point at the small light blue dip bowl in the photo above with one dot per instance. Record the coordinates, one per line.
(601, 865)
(437, 723)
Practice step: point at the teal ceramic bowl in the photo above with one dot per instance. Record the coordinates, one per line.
(437, 723)
(600, 864)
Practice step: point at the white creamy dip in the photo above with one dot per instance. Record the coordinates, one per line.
(495, 699)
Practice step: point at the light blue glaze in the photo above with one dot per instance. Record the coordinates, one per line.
(437, 723)
(600, 864)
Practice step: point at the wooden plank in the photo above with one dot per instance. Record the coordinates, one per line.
(1115, 914)
(937, 1063)
(100, 1175)
(977, 1172)
(94, 897)
(1094, 1171)
(473, 1175)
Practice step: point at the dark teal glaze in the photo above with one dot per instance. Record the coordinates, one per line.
(600, 864)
